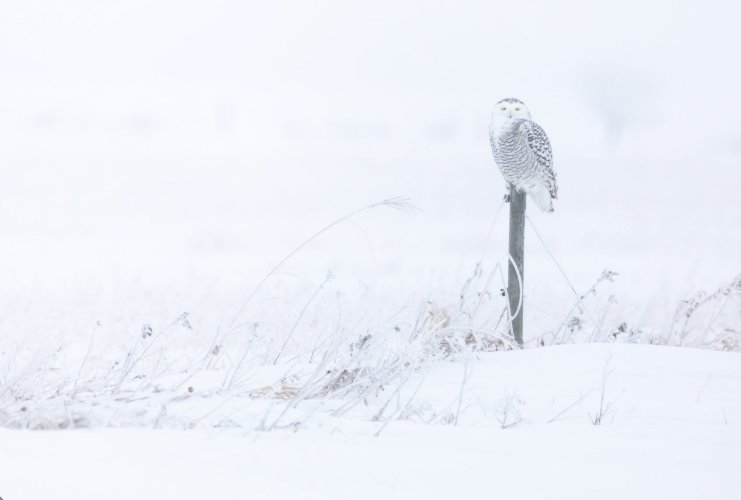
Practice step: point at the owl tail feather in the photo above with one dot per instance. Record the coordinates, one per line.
(541, 196)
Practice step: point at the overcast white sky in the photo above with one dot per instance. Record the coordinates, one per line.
(239, 127)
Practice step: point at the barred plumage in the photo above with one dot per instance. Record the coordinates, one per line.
(522, 152)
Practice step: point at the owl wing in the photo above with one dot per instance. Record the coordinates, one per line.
(538, 142)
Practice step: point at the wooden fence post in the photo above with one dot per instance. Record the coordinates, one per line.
(515, 283)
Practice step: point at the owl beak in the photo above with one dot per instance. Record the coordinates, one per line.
(510, 114)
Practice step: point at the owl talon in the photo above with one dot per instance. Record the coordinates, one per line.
(506, 198)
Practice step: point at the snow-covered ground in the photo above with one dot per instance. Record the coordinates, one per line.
(671, 428)
(158, 159)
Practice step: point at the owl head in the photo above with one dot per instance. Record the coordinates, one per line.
(509, 109)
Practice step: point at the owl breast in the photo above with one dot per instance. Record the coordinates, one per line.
(514, 157)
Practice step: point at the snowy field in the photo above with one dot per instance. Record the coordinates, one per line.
(670, 429)
(159, 160)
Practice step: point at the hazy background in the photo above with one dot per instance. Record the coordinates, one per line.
(160, 157)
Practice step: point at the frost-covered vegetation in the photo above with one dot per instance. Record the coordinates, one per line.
(310, 360)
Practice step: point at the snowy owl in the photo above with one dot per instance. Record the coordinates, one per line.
(522, 152)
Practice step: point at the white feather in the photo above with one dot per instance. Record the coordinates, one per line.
(540, 195)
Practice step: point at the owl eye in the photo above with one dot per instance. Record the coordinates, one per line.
(517, 109)
(504, 108)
